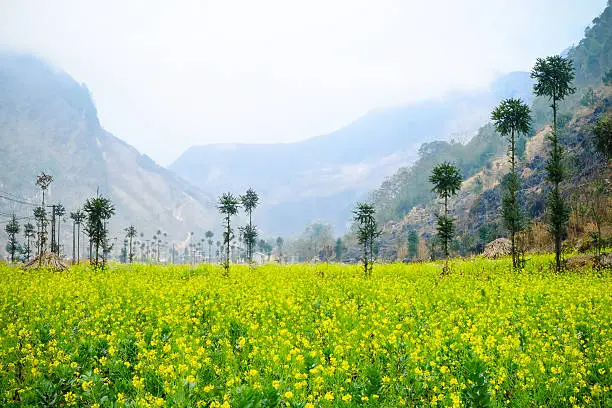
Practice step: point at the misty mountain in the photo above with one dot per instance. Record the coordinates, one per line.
(48, 122)
(319, 179)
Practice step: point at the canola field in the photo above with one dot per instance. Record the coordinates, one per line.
(306, 336)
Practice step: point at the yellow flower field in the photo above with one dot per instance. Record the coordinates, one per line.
(306, 336)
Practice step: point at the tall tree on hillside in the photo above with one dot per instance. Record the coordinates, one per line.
(60, 211)
(249, 202)
(130, 233)
(29, 234)
(43, 181)
(98, 210)
(228, 207)
(413, 244)
(367, 232)
(447, 180)
(77, 217)
(512, 118)
(12, 229)
(554, 76)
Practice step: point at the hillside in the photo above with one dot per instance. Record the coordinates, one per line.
(48, 122)
(320, 178)
(405, 200)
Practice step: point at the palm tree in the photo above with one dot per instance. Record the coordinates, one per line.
(447, 180)
(228, 207)
(249, 202)
(130, 234)
(512, 118)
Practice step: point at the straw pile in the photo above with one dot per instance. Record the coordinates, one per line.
(47, 260)
(497, 248)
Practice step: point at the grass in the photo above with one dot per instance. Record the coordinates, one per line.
(306, 336)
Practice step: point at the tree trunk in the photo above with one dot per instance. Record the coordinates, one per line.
(57, 244)
(365, 258)
(557, 228)
(227, 249)
(73, 240)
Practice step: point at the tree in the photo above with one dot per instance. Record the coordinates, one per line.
(602, 140)
(554, 76)
(209, 234)
(413, 244)
(446, 179)
(98, 210)
(40, 215)
(130, 233)
(77, 219)
(339, 249)
(512, 118)
(43, 181)
(367, 232)
(249, 235)
(59, 212)
(29, 234)
(12, 229)
(249, 203)
(279, 245)
(588, 97)
(228, 207)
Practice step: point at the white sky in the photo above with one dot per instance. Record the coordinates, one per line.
(166, 75)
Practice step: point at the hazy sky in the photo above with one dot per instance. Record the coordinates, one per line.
(169, 74)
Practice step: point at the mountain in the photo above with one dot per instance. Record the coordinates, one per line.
(319, 179)
(405, 202)
(48, 122)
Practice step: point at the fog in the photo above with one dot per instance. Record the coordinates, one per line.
(168, 75)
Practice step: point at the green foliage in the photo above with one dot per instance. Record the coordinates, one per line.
(12, 229)
(228, 207)
(130, 233)
(410, 186)
(512, 118)
(413, 244)
(447, 180)
(249, 203)
(588, 97)
(98, 211)
(339, 249)
(554, 76)
(29, 234)
(602, 140)
(367, 232)
(477, 394)
(592, 57)
(607, 78)
(446, 229)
